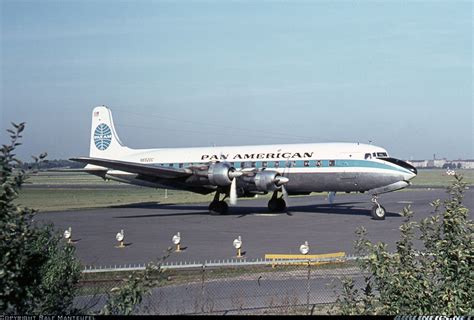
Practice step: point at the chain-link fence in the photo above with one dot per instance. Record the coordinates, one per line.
(265, 287)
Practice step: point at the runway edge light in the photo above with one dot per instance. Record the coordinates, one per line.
(238, 245)
(177, 241)
(304, 248)
(68, 234)
(120, 238)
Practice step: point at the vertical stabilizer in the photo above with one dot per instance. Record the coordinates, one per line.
(105, 142)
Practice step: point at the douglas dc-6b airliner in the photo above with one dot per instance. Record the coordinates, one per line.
(244, 171)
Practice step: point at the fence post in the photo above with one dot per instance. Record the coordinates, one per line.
(202, 286)
(308, 287)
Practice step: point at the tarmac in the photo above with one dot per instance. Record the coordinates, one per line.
(149, 227)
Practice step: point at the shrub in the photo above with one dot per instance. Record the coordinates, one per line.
(38, 272)
(437, 279)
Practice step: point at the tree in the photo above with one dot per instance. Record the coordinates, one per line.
(436, 279)
(38, 272)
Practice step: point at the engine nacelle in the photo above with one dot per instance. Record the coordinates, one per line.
(218, 174)
(266, 180)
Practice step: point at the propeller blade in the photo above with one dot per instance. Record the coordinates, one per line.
(331, 196)
(285, 195)
(233, 192)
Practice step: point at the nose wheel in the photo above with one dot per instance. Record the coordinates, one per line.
(378, 211)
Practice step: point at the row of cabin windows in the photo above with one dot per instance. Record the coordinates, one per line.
(265, 164)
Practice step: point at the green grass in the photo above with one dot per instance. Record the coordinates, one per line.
(439, 178)
(59, 199)
(70, 191)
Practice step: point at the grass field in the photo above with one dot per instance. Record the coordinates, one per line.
(69, 191)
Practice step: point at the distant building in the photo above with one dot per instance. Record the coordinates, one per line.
(443, 164)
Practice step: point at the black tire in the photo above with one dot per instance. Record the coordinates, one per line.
(277, 205)
(213, 210)
(378, 212)
(281, 205)
(217, 208)
(223, 207)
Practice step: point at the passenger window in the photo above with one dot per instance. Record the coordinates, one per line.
(277, 164)
(306, 163)
(180, 165)
(318, 163)
(171, 165)
(264, 164)
(242, 165)
(332, 163)
(253, 165)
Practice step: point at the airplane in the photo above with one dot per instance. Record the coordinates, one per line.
(245, 171)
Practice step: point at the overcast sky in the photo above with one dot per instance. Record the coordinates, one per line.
(192, 73)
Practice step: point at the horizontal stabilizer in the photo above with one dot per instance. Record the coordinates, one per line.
(138, 168)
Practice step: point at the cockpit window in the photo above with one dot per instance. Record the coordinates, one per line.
(368, 156)
(382, 154)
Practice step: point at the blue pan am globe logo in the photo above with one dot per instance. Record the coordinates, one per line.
(102, 136)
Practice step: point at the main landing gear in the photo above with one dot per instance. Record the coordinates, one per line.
(276, 204)
(218, 207)
(378, 212)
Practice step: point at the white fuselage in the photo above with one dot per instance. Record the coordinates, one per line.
(310, 167)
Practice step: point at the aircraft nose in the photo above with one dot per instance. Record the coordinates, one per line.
(410, 168)
(405, 165)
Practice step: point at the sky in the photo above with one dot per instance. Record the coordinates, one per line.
(201, 73)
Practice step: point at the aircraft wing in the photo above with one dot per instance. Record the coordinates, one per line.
(138, 168)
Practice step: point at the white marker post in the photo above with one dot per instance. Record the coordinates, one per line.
(68, 234)
(120, 237)
(177, 241)
(238, 245)
(304, 248)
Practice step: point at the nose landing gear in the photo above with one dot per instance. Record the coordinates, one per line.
(378, 211)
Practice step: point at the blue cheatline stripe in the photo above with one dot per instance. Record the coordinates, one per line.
(341, 163)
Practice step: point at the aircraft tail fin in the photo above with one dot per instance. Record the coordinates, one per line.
(105, 142)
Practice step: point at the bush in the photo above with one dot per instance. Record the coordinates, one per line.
(438, 279)
(38, 272)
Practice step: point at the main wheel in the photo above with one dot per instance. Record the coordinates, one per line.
(276, 205)
(218, 208)
(378, 212)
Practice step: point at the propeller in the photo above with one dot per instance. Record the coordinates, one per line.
(233, 192)
(331, 196)
(234, 174)
(285, 195)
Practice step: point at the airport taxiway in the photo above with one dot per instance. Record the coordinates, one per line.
(149, 227)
